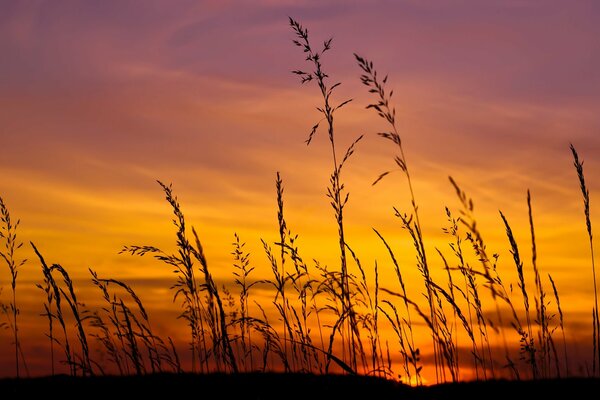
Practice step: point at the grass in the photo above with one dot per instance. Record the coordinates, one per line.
(335, 192)
(588, 223)
(8, 233)
(320, 320)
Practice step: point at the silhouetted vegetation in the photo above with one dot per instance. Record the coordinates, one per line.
(320, 319)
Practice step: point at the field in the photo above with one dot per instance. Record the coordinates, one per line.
(335, 329)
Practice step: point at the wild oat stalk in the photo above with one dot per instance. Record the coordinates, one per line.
(329, 287)
(540, 298)
(242, 270)
(105, 337)
(58, 314)
(470, 294)
(8, 232)
(186, 285)
(445, 334)
(278, 282)
(493, 280)
(79, 312)
(387, 112)
(221, 338)
(282, 240)
(586, 210)
(281, 279)
(430, 294)
(561, 322)
(362, 299)
(48, 291)
(370, 320)
(403, 331)
(527, 342)
(80, 315)
(296, 331)
(335, 191)
(131, 328)
(438, 337)
(195, 312)
(271, 339)
(303, 285)
(300, 280)
(453, 329)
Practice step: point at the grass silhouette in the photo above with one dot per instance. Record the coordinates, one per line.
(8, 233)
(319, 320)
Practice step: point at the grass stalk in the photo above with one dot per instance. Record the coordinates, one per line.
(335, 191)
(562, 324)
(588, 223)
(540, 299)
(386, 111)
(8, 232)
(527, 340)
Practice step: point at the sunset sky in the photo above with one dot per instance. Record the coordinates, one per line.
(99, 99)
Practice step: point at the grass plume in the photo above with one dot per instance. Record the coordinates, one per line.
(8, 233)
(335, 192)
(588, 223)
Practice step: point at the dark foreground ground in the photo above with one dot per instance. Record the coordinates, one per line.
(287, 386)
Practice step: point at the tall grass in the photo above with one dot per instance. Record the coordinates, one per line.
(242, 273)
(318, 318)
(527, 342)
(492, 280)
(562, 328)
(8, 234)
(65, 293)
(470, 294)
(402, 328)
(206, 319)
(335, 192)
(385, 110)
(133, 331)
(588, 223)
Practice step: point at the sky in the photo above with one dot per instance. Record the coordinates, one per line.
(99, 99)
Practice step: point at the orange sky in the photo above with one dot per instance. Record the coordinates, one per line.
(100, 99)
